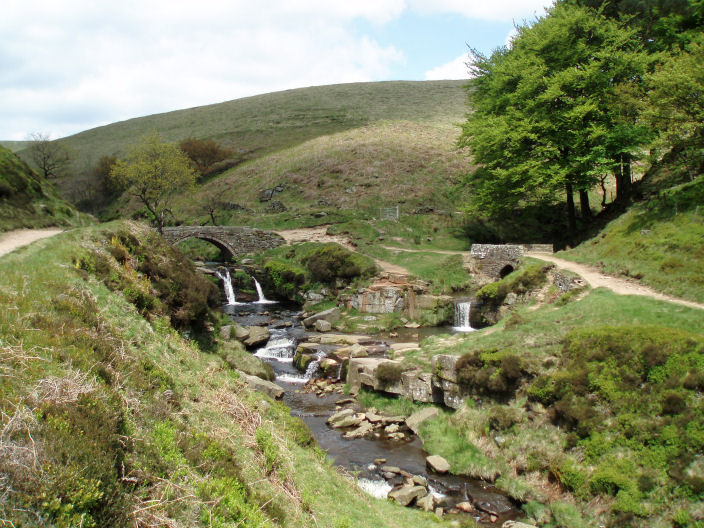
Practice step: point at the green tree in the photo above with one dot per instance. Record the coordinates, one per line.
(677, 104)
(546, 113)
(153, 172)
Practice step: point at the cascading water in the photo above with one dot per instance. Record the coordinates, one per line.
(262, 299)
(227, 284)
(462, 313)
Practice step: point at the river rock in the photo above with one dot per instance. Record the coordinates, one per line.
(260, 385)
(362, 431)
(413, 421)
(322, 326)
(347, 421)
(374, 418)
(330, 367)
(465, 507)
(331, 316)
(379, 461)
(258, 335)
(339, 416)
(226, 332)
(391, 469)
(406, 495)
(301, 360)
(426, 503)
(391, 428)
(437, 464)
(516, 524)
(419, 481)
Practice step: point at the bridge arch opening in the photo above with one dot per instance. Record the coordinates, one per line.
(204, 248)
(508, 268)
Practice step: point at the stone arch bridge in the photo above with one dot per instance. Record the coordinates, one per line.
(233, 240)
(495, 261)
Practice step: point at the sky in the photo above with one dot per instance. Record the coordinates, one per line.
(71, 65)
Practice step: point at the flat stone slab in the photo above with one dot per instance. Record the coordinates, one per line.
(413, 421)
(404, 496)
(437, 464)
(260, 385)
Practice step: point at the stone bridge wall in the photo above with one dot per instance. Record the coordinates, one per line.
(234, 239)
(490, 260)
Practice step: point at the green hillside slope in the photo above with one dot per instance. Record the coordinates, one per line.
(26, 202)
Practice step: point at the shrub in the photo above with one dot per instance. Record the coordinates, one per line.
(204, 153)
(389, 373)
(331, 262)
(673, 403)
(498, 375)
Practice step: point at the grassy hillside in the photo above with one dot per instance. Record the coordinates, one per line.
(111, 418)
(255, 126)
(384, 164)
(27, 202)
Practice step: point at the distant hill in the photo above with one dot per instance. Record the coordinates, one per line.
(14, 146)
(25, 201)
(256, 127)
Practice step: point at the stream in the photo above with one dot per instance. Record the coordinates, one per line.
(358, 455)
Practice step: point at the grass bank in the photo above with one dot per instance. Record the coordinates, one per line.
(110, 417)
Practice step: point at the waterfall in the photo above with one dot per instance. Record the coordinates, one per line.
(280, 347)
(227, 284)
(462, 313)
(262, 299)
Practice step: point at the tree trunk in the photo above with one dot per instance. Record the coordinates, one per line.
(570, 208)
(623, 180)
(584, 204)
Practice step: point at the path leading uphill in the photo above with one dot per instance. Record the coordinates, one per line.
(596, 279)
(12, 240)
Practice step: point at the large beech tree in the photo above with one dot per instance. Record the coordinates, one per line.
(555, 111)
(153, 172)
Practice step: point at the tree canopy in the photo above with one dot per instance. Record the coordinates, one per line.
(152, 172)
(554, 110)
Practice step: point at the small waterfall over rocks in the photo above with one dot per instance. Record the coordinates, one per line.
(262, 299)
(463, 311)
(227, 284)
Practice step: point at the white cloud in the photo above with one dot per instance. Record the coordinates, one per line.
(455, 69)
(71, 65)
(75, 64)
(495, 10)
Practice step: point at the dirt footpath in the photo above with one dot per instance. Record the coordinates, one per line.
(22, 237)
(596, 279)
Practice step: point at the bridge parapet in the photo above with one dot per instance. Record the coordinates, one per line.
(236, 240)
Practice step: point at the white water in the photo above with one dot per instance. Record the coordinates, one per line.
(307, 375)
(262, 299)
(279, 347)
(462, 313)
(227, 284)
(376, 488)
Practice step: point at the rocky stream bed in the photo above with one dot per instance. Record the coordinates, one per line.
(383, 452)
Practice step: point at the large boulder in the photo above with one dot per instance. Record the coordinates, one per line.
(362, 372)
(418, 386)
(445, 366)
(437, 464)
(322, 326)
(258, 335)
(413, 421)
(260, 385)
(407, 494)
(331, 316)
